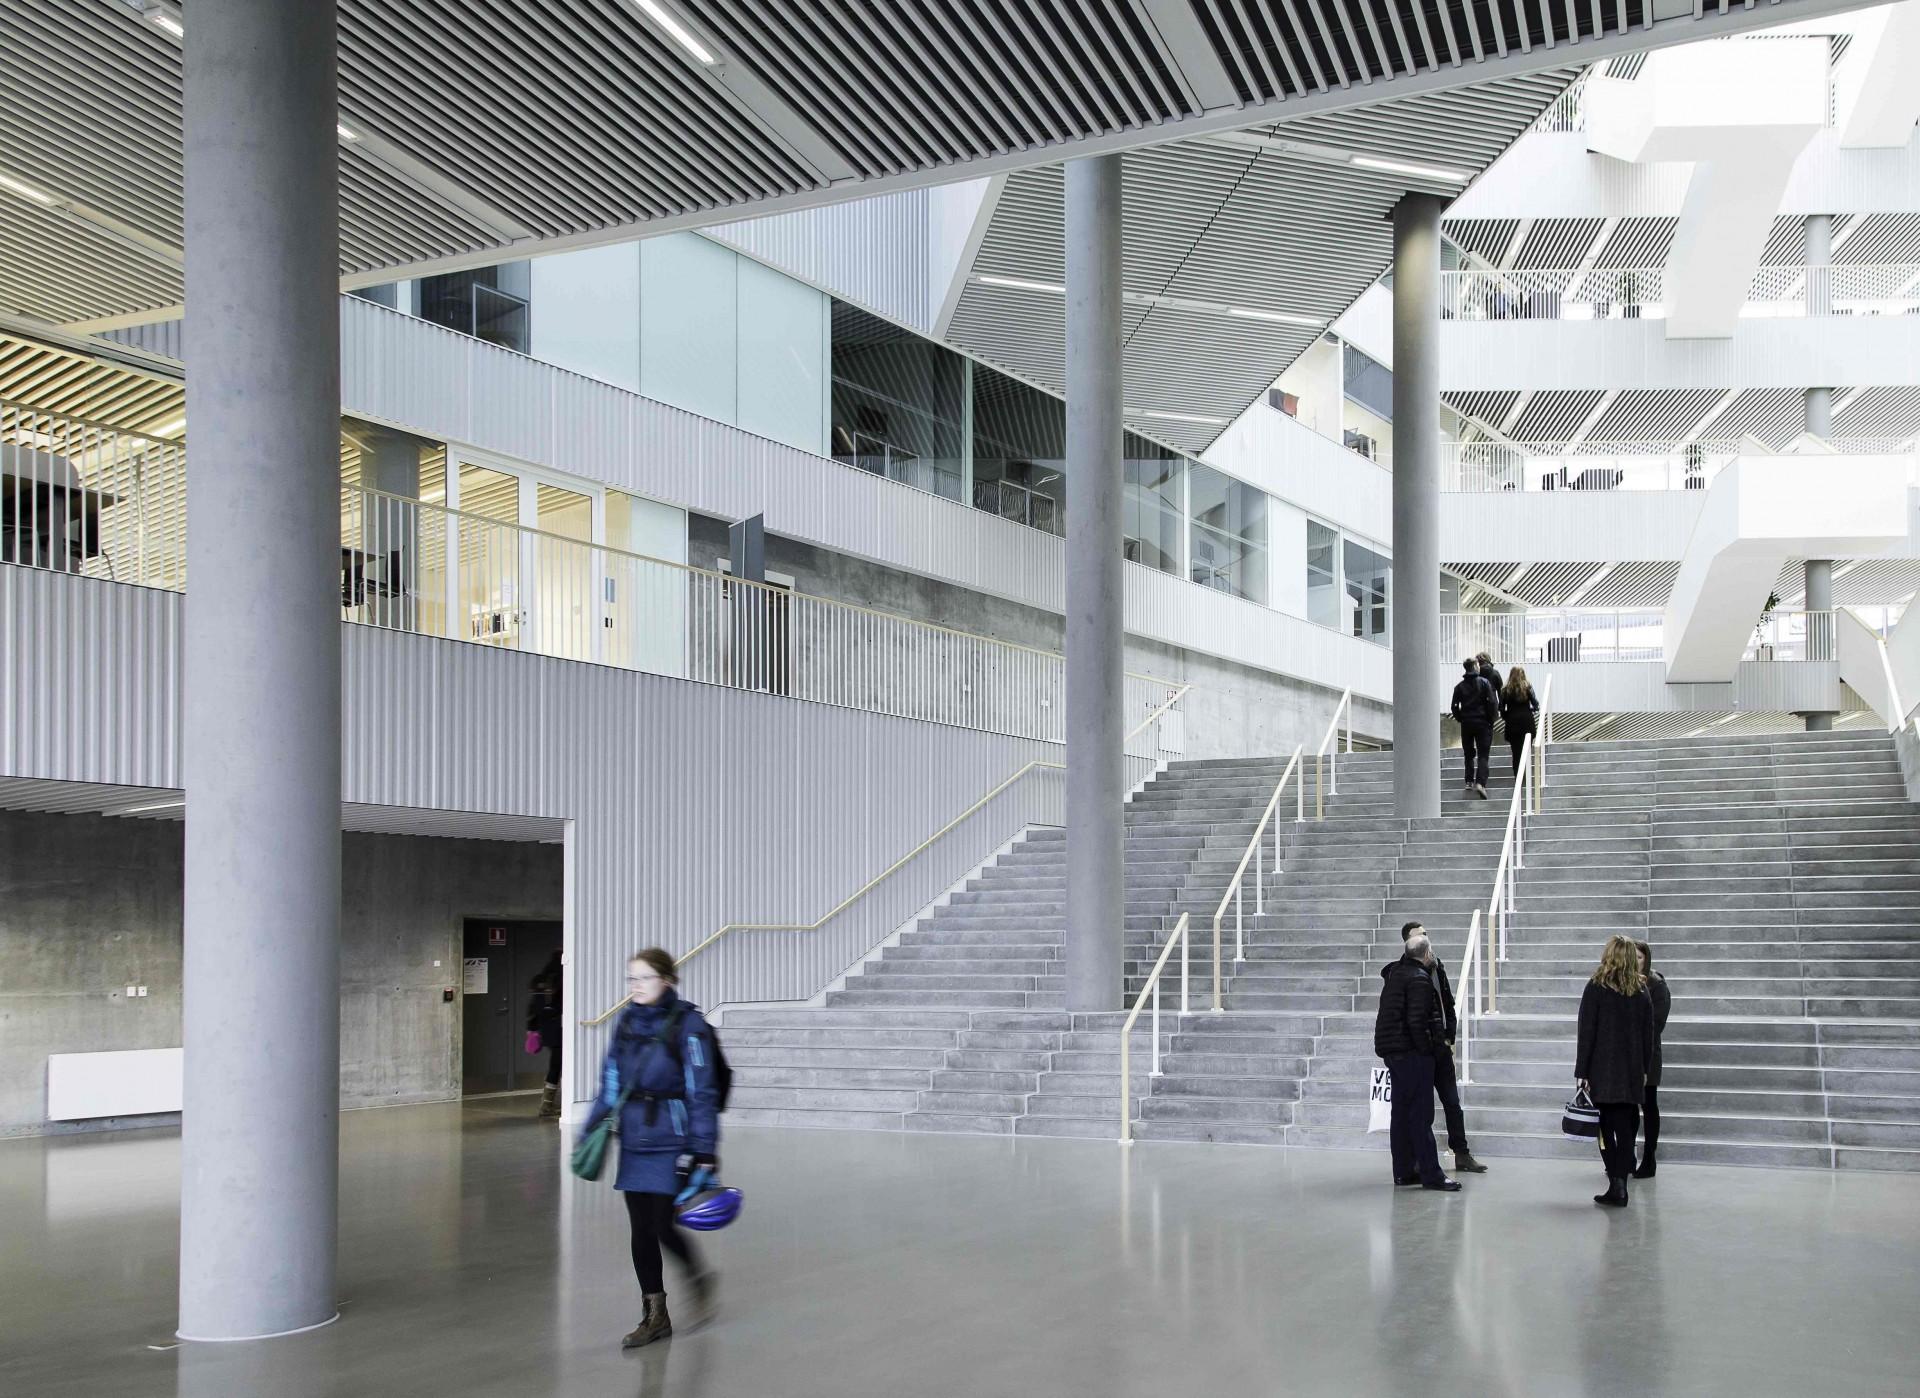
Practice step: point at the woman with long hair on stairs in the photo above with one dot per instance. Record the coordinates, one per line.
(1614, 1055)
(1650, 1109)
(1519, 711)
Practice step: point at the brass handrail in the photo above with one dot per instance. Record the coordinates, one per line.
(1253, 852)
(1152, 987)
(894, 867)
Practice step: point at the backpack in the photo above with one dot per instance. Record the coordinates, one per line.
(669, 1038)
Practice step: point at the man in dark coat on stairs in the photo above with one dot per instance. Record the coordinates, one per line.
(1444, 1080)
(1410, 1029)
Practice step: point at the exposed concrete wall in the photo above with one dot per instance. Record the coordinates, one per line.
(1235, 710)
(90, 905)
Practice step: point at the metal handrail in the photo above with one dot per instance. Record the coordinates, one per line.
(1152, 987)
(1500, 905)
(1543, 733)
(1470, 970)
(894, 867)
(1255, 853)
(1327, 782)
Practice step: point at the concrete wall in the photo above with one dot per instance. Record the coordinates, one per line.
(90, 905)
(1235, 710)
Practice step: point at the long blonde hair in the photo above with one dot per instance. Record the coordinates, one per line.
(1620, 967)
(1517, 682)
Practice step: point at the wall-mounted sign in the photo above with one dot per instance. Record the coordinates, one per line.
(496, 936)
(474, 975)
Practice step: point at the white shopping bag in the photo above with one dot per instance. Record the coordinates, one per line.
(1380, 1100)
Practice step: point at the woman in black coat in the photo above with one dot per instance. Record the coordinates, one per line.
(1650, 1109)
(1614, 1056)
(1519, 710)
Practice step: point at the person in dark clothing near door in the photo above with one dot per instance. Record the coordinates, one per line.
(1613, 1055)
(543, 1018)
(1445, 1083)
(1650, 1109)
(1519, 714)
(1474, 706)
(1408, 1032)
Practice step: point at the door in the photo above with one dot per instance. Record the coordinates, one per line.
(500, 960)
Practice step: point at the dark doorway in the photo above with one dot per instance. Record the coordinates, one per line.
(501, 960)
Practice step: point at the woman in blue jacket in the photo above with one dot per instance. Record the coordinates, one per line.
(661, 1056)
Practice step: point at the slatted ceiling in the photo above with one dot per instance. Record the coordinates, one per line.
(1638, 242)
(1277, 48)
(58, 381)
(1644, 584)
(1558, 242)
(1881, 411)
(1774, 415)
(1652, 414)
(1627, 67)
(369, 192)
(1489, 407)
(1883, 238)
(53, 268)
(1485, 238)
(1787, 243)
(1679, 724)
(1553, 416)
(1871, 582)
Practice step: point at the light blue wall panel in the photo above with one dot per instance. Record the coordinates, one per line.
(689, 349)
(784, 330)
(586, 313)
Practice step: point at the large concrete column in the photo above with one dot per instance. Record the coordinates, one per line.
(1820, 630)
(1819, 407)
(1096, 636)
(1416, 506)
(261, 714)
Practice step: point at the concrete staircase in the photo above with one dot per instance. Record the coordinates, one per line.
(1777, 878)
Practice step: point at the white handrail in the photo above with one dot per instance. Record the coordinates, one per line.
(1327, 782)
(1512, 859)
(1543, 737)
(1152, 987)
(1255, 852)
(1469, 1008)
(1897, 714)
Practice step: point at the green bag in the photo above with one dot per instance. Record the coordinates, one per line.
(590, 1153)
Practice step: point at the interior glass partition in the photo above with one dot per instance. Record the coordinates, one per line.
(1019, 451)
(1154, 507)
(899, 404)
(1227, 534)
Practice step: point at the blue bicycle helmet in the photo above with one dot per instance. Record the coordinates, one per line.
(710, 1209)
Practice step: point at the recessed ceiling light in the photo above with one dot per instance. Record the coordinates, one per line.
(1404, 167)
(346, 133)
(160, 19)
(1021, 284)
(675, 30)
(27, 191)
(168, 429)
(1279, 317)
(174, 805)
(1183, 417)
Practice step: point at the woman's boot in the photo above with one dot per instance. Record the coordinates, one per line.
(654, 1323)
(1644, 1170)
(1616, 1195)
(550, 1100)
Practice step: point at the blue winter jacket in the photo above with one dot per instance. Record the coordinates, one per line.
(672, 1109)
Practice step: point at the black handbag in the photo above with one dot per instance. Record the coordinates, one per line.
(1581, 1118)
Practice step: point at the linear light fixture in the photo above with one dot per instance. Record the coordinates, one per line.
(1279, 317)
(1407, 167)
(346, 132)
(178, 803)
(676, 31)
(160, 19)
(27, 191)
(1021, 284)
(167, 429)
(1183, 417)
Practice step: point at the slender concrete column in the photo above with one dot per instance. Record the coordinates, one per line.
(261, 715)
(1096, 635)
(1820, 412)
(1416, 506)
(1820, 424)
(1820, 631)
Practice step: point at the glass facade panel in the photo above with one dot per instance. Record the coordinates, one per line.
(899, 403)
(1368, 382)
(1154, 505)
(1369, 581)
(489, 303)
(1323, 575)
(1227, 534)
(1019, 451)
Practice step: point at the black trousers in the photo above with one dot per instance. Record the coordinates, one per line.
(1475, 740)
(1411, 1135)
(1514, 743)
(652, 1220)
(1619, 1124)
(1650, 1116)
(1447, 1085)
(553, 1058)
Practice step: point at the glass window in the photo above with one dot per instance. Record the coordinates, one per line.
(1369, 578)
(1368, 383)
(1019, 451)
(1154, 505)
(489, 303)
(898, 403)
(1227, 534)
(1323, 575)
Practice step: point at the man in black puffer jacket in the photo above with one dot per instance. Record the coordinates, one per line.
(1409, 1030)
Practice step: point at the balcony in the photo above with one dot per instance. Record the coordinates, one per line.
(1641, 293)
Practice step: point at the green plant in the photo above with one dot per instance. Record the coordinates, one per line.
(1766, 612)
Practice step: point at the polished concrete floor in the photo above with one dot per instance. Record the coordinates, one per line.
(871, 1264)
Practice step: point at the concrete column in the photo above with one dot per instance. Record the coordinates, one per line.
(1820, 412)
(261, 715)
(1819, 255)
(1820, 633)
(1819, 406)
(1416, 507)
(1096, 635)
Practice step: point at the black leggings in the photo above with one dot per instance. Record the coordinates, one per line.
(1619, 1123)
(654, 1227)
(1514, 743)
(1650, 1118)
(553, 1058)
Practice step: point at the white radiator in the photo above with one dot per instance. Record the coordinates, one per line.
(130, 1082)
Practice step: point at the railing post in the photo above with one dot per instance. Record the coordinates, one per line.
(1126, 1097)
(1259, 874)
(1156, 1030)
(1216, 962)
(1239, 927)
(1319, 786)
(1186, 945)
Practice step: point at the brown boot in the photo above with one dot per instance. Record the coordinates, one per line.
(550, 1101)
(654, 1323)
